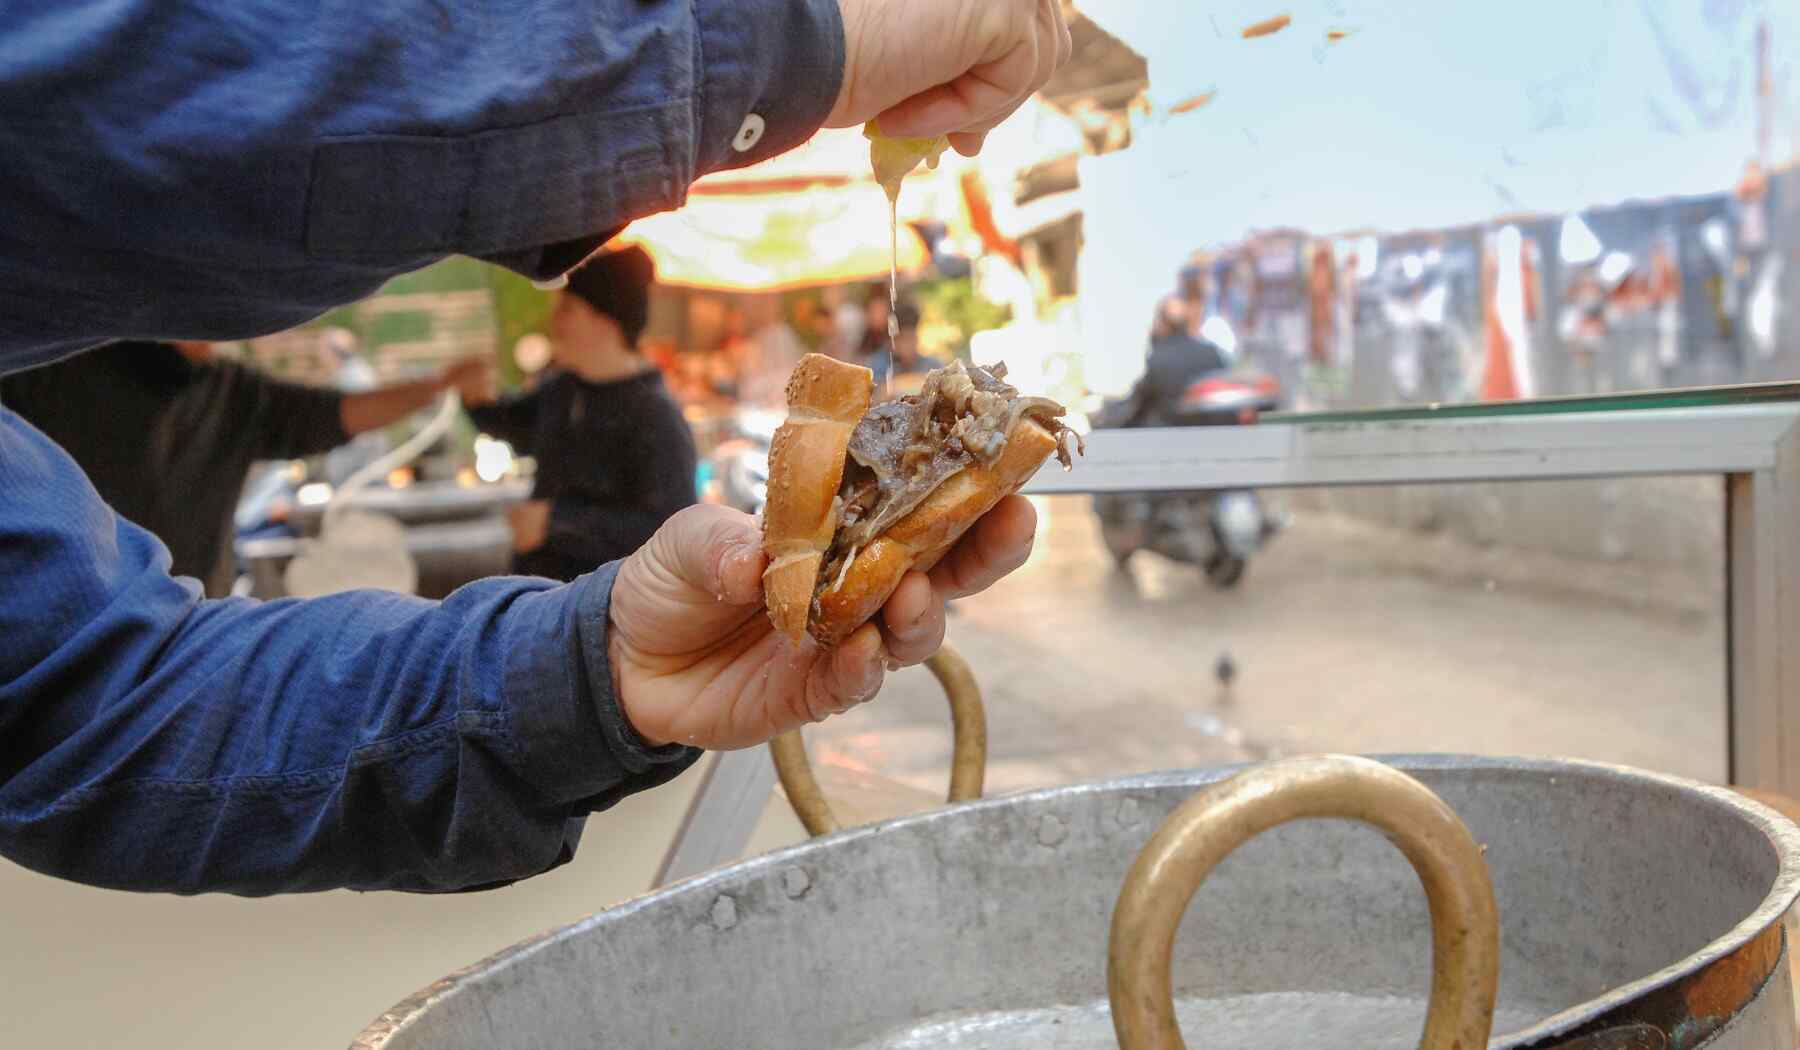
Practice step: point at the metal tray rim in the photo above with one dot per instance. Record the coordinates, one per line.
(1783, 837)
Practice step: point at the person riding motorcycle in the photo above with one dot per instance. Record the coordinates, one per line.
(1177, 360)
(1217, 530)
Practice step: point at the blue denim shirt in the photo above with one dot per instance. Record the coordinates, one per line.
(214, 168)
(225, 168)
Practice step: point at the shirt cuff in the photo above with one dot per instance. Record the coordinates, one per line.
(769, 73)
(576, 745)
(638, 756)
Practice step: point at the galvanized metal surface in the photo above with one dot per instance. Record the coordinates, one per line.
(1616, 889)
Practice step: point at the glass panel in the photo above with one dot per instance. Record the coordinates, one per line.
(1386, 204)
(1579, 618)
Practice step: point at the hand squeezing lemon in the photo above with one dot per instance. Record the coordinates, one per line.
(895, 158)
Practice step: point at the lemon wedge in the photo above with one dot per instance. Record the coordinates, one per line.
(895, 158)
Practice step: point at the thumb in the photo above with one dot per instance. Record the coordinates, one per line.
(715, 551)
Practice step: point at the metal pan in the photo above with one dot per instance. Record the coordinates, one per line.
(1635, 912)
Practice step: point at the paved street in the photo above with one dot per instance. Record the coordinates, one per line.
(1345, 636)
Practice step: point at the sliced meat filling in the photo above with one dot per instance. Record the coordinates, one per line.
(904, 449)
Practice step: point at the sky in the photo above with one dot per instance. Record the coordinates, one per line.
(1438, 113)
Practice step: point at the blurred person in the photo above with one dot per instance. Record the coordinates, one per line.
(1665, 297)
(848, 322)
(190, 175)
(1235, 289)
(167, 433)
(766, 357)
(1185, 309)
(814, 322)
(908, 359)
(720, 367)
(696, 384)
(906, 366)
(1175, 362)
(1750, 202)
(733, 347)
(1583, 328)
(615, 457)
(872, 348)
(1322, 297)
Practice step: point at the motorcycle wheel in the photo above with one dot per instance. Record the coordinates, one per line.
(1225, 571)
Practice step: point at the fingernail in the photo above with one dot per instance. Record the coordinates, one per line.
(738, 554)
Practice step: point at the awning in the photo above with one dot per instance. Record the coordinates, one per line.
(812, 216)
(775, 241)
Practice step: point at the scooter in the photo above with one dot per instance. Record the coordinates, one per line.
(1218, 530)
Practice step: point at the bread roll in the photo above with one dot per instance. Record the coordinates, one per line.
(927, 468)
(826, 398)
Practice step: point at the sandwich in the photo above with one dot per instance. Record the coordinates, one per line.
(860, 494)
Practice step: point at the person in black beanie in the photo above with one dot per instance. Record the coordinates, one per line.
(615, 457)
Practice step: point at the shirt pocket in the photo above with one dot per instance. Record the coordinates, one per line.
(503, 190)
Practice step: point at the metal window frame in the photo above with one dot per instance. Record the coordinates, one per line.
(1756, 448)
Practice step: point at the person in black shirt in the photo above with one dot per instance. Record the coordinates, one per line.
(167, 433)
(1177, 359)
(871, 350)
(615, 457)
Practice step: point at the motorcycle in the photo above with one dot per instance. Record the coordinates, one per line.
(1219, 531)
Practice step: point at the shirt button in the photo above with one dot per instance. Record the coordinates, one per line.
(749, 134)
(561, 280)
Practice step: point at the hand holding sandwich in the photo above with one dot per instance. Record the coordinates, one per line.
(697, 661)
(724, 634)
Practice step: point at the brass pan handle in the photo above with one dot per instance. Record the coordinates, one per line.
(968, 763)
(1465, 924)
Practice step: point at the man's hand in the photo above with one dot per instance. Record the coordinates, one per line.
(925, 68)
(530, 522)
(474, 379)
(696, 661)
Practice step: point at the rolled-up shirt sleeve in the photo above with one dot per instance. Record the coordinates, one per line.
(240, 168)
(150, 740)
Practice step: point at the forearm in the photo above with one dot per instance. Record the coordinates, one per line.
(374, 409)
(238, 184)
(158, 742)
